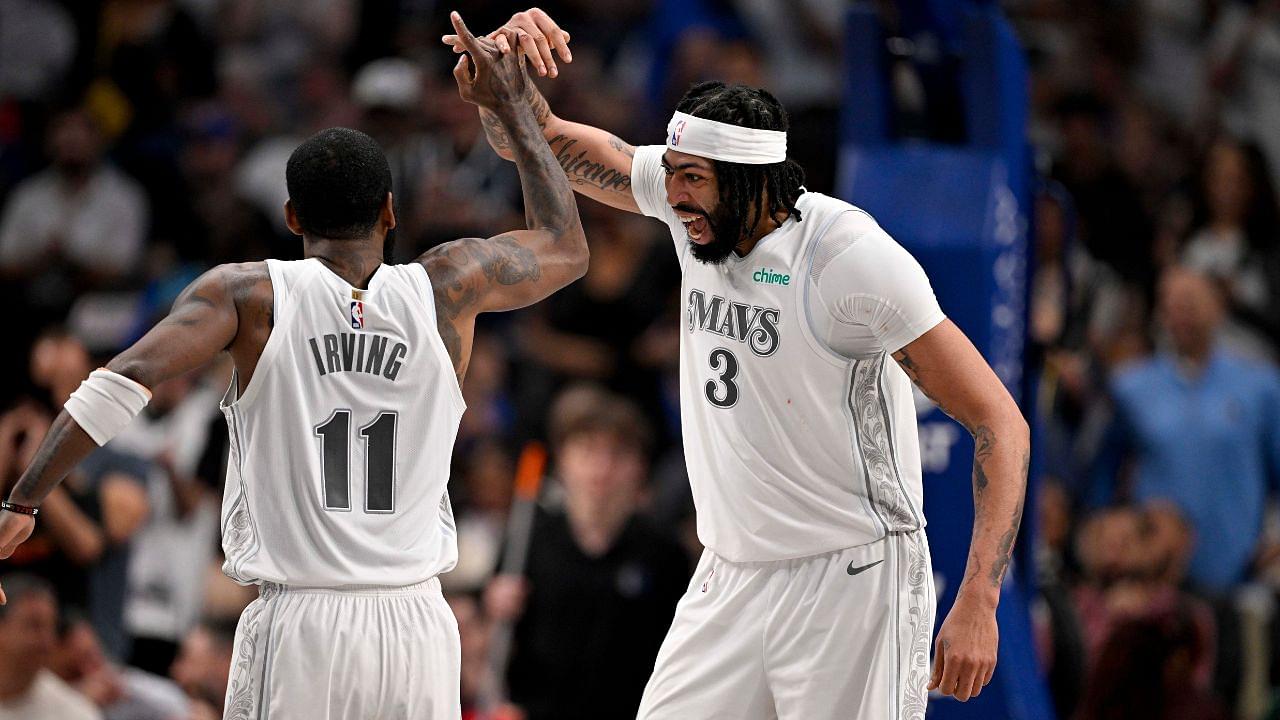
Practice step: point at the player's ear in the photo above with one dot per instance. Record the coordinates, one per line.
(389, 212)
(291, 218)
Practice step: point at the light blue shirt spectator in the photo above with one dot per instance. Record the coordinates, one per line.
(1209, 442)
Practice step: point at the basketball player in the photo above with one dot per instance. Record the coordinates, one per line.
(804, 326)
(342, 413)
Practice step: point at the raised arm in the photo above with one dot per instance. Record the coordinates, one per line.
(203, 322)
(596, 162)
(949, 369)
(521, 267)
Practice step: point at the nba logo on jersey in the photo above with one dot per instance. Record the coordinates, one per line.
(357, 315)
(676, 132)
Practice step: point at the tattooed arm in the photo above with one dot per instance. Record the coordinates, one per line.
(597, 163)
(518, 268)
(227, 308)
(947, 367)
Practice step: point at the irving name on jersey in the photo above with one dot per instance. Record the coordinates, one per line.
(358, 352)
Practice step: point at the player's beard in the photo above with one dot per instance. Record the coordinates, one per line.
(726, 232)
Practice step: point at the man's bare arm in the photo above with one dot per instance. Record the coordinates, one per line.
(596, 162)
(202, 323)
(518, 268)
(949, 369)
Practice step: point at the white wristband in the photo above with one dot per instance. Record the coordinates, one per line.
(105, 403)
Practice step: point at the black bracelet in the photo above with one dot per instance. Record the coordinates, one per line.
(20, 509)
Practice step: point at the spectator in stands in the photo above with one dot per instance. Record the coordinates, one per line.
(1204, 429)
(1244, 51)
(612, 326)
(203, 665)
(80, 223)
(1113, 226)
(28, 632)
(176, 546)
(1134, 563)
(121, 692)
(225, 227)
(463, 186)
(1145, 671)
(1237, 243)
(37, 45)
(482, 493)
(601, 584)
(84, 540)
(388, 93)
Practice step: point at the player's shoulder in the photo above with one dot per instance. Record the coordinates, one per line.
(447, 262)
(849, 239)
(243, 285)
(244, 277)
(836, 222)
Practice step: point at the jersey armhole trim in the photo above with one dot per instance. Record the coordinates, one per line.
(429, 301)
(283, 311)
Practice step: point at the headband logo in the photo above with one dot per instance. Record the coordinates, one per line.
(676, 131)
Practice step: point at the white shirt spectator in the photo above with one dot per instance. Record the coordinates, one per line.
(49, 699)
(100, 226)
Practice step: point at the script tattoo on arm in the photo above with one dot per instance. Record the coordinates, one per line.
(582, 169)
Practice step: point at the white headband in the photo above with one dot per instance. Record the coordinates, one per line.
(722, 141)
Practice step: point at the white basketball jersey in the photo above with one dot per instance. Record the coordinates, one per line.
(340, 443)
(799, 428)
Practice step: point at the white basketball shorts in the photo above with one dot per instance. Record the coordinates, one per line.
(324, 654)
(845, 635)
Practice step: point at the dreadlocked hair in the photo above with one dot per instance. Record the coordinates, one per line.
(741, 185)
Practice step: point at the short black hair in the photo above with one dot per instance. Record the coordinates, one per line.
(741, 184)
(338, 181)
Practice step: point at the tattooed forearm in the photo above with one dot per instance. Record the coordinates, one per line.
(583, 170)
(994, 534)
(1001, 448)
(983, 445)
(495, 133)
(548, 199)
(1004, 551)
(538, 103)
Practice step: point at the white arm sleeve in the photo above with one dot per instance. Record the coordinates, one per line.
(873, 295)
(649, 188)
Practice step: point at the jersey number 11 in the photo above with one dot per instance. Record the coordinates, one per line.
(380, 461)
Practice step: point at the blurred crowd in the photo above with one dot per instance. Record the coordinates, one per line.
(142, 141)
(1155, 331)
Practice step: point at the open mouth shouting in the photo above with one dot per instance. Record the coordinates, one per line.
(695, 224)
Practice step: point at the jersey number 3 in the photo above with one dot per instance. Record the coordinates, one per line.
(380, 461)
(723, 393)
